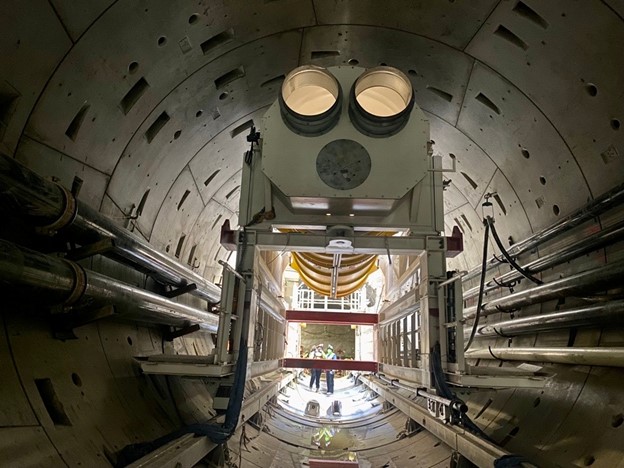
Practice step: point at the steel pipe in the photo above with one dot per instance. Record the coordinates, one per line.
(25, 273)
(601, 239)
(596, 207)
(609, 357)
(610, 312)
(47, 204)
(600, 278)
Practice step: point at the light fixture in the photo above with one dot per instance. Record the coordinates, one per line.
(310, 100)
(381, 101)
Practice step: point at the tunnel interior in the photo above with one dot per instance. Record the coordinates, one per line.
(143, 110)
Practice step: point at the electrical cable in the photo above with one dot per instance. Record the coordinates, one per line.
(475, 325)
(508, 257)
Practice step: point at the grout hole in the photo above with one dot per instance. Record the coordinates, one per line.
(537, 402)
(617, 420)
(353, 62)
(193, 19)
(556, 210)
(592, 90)
(615, 124)
(525, 153)
(133, 67)
(223, 96)
(412, 72)
(129, 341)
(199, 113)
(162, 40)
(589, 460)
(542, 180)
(177, 134)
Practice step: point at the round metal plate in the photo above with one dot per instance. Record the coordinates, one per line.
(343, 164)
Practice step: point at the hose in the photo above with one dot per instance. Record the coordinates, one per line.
(475, 325)
(519, 269)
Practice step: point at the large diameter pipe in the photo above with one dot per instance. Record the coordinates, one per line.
(610, 357)
(601, 239)
(597, 206)
(600, 278)
(610, 312)
(47, 204)
(135, 250)
(29, 275)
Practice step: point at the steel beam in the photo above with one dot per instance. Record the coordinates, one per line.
(336, 364)
(332, 463)
(331, 318)
(477, 450)
(360, 244)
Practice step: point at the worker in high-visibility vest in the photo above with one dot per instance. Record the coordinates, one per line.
(329, 373)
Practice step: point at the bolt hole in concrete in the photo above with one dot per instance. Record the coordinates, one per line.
(353, 62)
(192, 19)
(133, 67)
(129, 341)
(589, 460)
(615, 124)
(177, 134)
(223, 96)
(525, 153)
(162, 40)
(556, 210)
(199, 113)
(543, 180)
(536, 402)
(617, 420)
(76, 379)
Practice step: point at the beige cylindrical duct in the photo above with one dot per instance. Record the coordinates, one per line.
(381, 101)
(310, 100)
(316, 272)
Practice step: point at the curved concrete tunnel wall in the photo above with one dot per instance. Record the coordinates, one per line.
(149, 103)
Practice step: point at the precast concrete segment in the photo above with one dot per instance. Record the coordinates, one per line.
(600, 356)
(40, 200)
(57, 281)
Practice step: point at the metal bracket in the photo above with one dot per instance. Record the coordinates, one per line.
(170, 336)
(63, 325)
(179, 291)
(100, 247)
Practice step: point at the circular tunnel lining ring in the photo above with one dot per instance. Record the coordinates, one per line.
(310, 100)
(381, 101)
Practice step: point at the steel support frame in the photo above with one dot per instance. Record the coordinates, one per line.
(333, 318)
(478, 451)
(336, 364)
(188, 450)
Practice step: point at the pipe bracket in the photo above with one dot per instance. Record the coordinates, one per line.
(70, 210)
